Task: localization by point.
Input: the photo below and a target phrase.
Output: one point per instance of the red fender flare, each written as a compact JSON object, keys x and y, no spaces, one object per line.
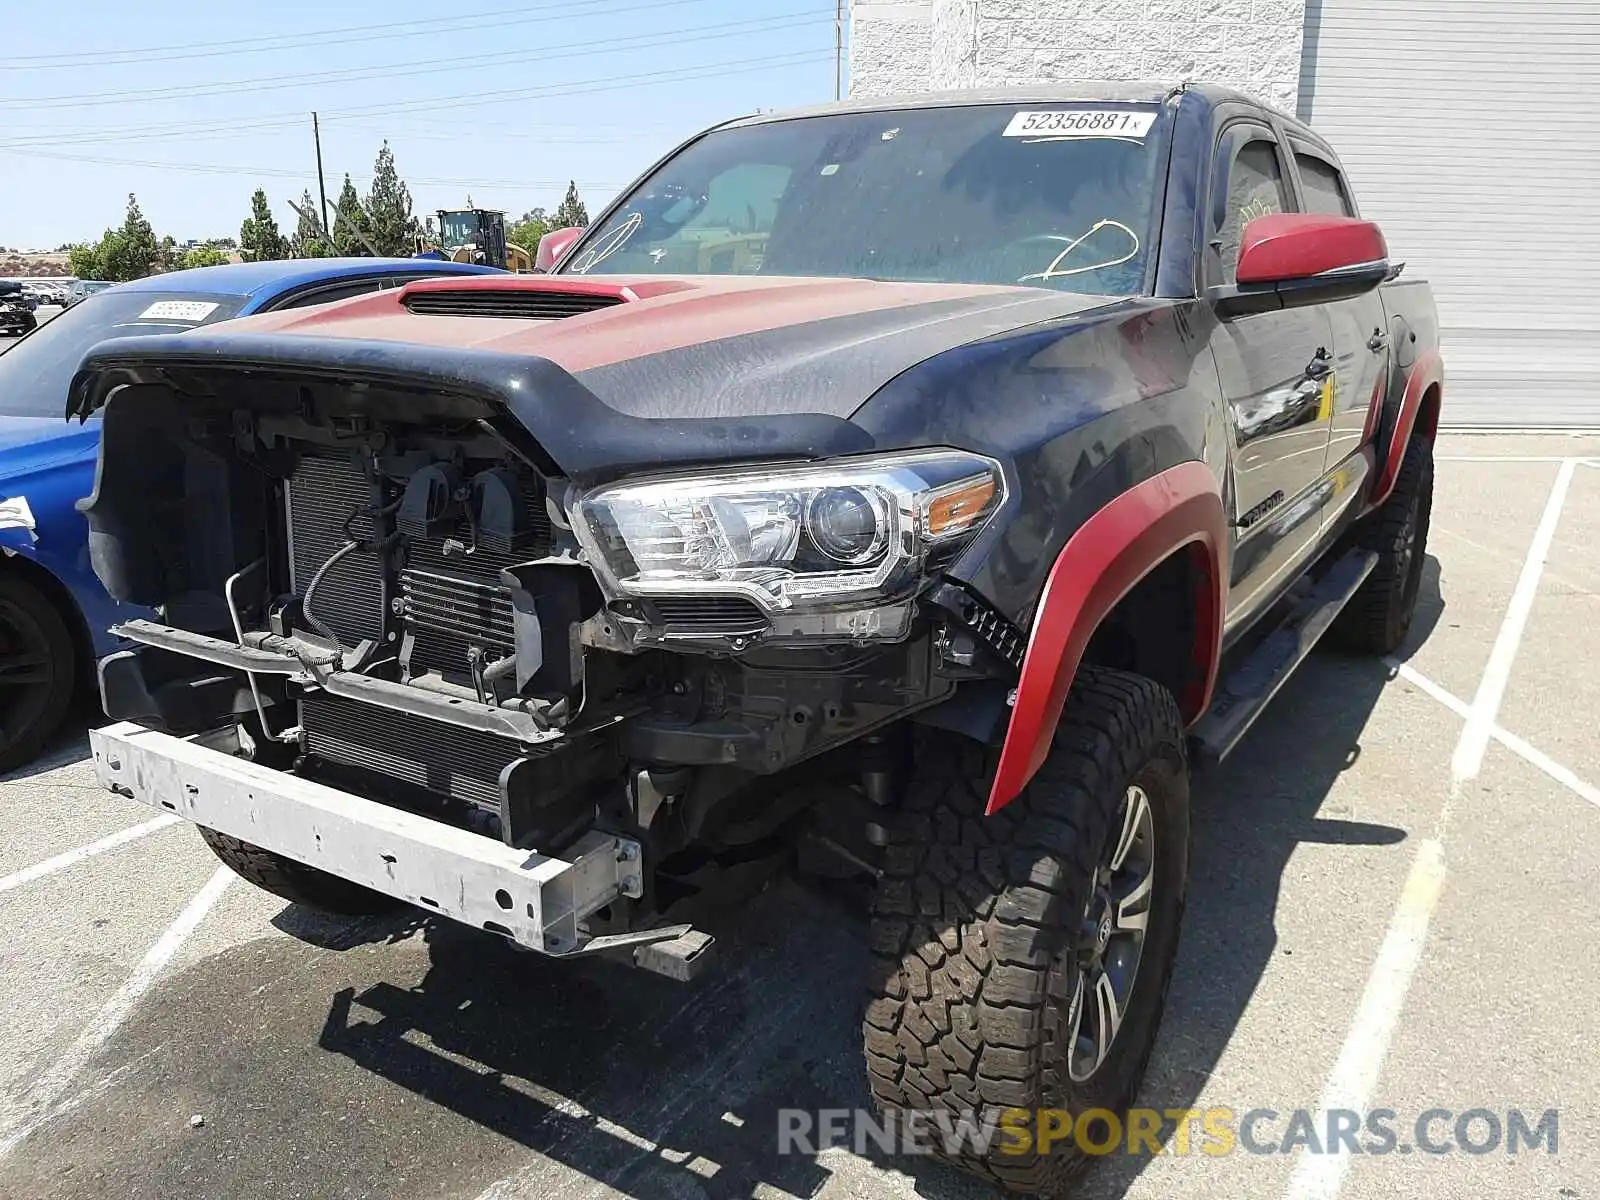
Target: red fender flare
{"x":1100,"y":564}
{"x":1426,"y":372}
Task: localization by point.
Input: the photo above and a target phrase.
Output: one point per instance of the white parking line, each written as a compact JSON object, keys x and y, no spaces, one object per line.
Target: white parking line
{"x":61,"y":861}
{"x":1468,"y":758}
{"x":41,"y":1101}
{"x":1526,"y":751}
{"x":1366,"y":1045}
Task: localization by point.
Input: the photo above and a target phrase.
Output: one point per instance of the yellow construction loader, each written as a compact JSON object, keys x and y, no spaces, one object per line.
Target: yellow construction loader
{"x":478,"y":235}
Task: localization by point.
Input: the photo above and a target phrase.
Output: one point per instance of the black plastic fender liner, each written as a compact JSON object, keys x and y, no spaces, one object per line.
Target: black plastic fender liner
{"x":585,"y":439}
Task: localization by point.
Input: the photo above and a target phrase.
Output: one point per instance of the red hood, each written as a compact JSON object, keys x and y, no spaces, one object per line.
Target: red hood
{"x":694,"y":346}
{"x":659,"y":313}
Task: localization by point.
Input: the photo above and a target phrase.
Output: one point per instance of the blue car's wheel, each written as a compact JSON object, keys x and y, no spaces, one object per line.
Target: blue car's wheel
{"x":38,"y":671}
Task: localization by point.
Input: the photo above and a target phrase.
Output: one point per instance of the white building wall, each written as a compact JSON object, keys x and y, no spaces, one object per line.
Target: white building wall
{"x":909,"y":45}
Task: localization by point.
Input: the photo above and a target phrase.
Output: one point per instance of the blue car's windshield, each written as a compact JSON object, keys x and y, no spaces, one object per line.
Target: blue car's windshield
{"x":36,"y":371}
{"x":1047,"y":195}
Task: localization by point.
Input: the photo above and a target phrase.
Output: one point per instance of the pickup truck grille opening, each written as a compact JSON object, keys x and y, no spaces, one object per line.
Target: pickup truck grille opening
{"x":325,"y":489}
{"x":443,"y":759}
{"x":708,"y":614}
{"x":527,"y":305}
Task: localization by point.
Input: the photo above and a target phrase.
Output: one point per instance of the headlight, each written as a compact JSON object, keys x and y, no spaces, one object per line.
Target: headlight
{"x":815,"y":536}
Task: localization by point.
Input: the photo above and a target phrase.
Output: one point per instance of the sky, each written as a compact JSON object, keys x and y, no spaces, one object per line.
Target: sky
{"x":193,"y":104}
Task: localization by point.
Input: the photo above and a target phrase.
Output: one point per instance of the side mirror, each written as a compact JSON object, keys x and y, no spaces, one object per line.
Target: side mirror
{"x":1288,"y":260}
{"x":552,"y":246}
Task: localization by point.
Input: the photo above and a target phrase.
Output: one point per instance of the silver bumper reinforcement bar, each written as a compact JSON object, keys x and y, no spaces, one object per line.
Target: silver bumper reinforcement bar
{"x":536,"y":900}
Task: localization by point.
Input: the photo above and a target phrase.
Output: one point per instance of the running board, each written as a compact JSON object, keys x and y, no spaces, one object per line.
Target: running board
{"x":1250,"y":687}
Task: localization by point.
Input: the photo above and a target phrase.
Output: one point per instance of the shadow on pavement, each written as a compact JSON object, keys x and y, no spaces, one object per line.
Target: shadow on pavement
{"x":314,"y":1064}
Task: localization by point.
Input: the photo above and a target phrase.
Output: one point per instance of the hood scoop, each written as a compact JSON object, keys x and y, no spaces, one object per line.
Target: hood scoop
{"x":531,"y":304}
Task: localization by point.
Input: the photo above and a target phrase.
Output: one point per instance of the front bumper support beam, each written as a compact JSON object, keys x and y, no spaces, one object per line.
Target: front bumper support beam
{"x":535,"y":900}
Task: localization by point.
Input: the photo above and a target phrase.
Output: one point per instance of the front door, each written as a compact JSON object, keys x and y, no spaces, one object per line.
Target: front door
{"x":1277,"y":371}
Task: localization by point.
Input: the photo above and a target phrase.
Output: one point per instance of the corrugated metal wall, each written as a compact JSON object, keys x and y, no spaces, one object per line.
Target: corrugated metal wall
{"x":1468,"y":129}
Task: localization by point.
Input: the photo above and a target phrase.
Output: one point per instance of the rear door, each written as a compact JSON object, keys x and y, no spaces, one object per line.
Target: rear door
{"x":1275,"y":370}
{"x":1360,"y":330}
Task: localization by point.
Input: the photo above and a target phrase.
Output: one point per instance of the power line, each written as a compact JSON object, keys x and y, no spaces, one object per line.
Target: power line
{"x":614,"y":83}
{"x":291,"y":123}
{"x":285,"y":173}
{"x":386,"y":31}
{"x":585,"y":49}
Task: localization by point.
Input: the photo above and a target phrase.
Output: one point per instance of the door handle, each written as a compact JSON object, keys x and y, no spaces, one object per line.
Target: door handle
{"x":1377,"y":341}
{"x":1321,"y":366}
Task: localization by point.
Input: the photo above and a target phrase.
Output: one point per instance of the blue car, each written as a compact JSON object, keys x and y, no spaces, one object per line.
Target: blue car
{"x":53,"y":612}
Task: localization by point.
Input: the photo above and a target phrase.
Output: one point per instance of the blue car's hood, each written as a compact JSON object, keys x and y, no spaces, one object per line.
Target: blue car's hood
{"x":27,"y":443}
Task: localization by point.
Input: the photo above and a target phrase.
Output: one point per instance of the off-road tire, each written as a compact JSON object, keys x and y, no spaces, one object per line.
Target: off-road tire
{"x":976,"y":921}
{"x":34,"y":629}
{"x":294,"y":881}
{"x":1378,"y":617}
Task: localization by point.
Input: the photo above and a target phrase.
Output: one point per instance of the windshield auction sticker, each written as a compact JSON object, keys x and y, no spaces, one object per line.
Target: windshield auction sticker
{"x":178,"y":310}
{"x":1069,"y":123}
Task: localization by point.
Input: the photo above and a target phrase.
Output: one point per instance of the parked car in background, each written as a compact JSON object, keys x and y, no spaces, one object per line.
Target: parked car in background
{"x":53,"y":611}
{"x":16,"y":312}
{"x":82,"y":289}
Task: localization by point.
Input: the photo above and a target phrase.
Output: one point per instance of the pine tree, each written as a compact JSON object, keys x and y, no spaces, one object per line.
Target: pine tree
{"x":348,"y":219}
{"x":308,"y":240}
{"x":129,"y":252}
{"x":259,"y":238}
{"x":572,"y":214}
{"x":393,"y":229}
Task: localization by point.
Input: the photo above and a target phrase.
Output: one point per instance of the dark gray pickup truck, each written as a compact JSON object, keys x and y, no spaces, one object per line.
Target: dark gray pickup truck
{"x":918,"y":487}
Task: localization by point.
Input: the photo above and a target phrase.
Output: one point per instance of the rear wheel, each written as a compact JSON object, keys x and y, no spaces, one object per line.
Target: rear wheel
{"x":1021,"y":960}
{"x":38,"y":671}
{"x":1379,"y":615}
{"x":294,"y":881}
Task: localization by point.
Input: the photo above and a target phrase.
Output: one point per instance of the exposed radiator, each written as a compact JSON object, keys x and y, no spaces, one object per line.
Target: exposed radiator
{"x":326,"y":488}
{"x":446,"y":759}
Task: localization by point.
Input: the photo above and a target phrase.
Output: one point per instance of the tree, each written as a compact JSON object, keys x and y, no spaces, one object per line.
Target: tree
{"x":205,"y":256}
{"x":348,"y":218}
{"x":529,"y":228}
{"x":392,"y":229}
{"x":129,"y":252}
{"x":84,"y":261}
{"x":571,"y":214}
{"x":258,"y":236}
{"x":168,"y":256}
{"x":309,"y":240}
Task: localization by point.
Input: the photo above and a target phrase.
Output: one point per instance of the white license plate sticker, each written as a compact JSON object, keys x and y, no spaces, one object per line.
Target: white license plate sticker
{"x":178,"y":310}
{"x":1071,"y":123}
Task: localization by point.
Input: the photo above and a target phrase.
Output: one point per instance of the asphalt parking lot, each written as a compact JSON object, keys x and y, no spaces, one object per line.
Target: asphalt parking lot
{"x":1396,"y":887}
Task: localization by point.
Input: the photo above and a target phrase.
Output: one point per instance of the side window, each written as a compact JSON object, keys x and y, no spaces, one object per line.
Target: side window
{"x":327,"y":295}
{"x":1323,"y":189}
{"x":1256,"y":188}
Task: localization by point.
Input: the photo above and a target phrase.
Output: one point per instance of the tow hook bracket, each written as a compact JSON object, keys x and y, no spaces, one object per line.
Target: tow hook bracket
{"x":682,"y":958}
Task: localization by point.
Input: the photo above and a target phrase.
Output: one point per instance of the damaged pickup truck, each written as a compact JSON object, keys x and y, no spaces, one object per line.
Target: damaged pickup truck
{"x":923,"y":483}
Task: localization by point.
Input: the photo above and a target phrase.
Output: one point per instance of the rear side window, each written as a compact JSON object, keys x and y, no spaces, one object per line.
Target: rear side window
{"x":1323,"y":188}
{"x":1256,"y":188}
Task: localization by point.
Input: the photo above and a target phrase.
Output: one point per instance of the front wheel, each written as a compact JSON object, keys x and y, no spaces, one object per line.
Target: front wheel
{"x":38,"y":671}
{"x":294,"y":881}
{"x":1021,"y":960}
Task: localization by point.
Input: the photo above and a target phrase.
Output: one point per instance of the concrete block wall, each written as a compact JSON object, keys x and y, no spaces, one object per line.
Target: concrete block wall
{"x":912,"y":45}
